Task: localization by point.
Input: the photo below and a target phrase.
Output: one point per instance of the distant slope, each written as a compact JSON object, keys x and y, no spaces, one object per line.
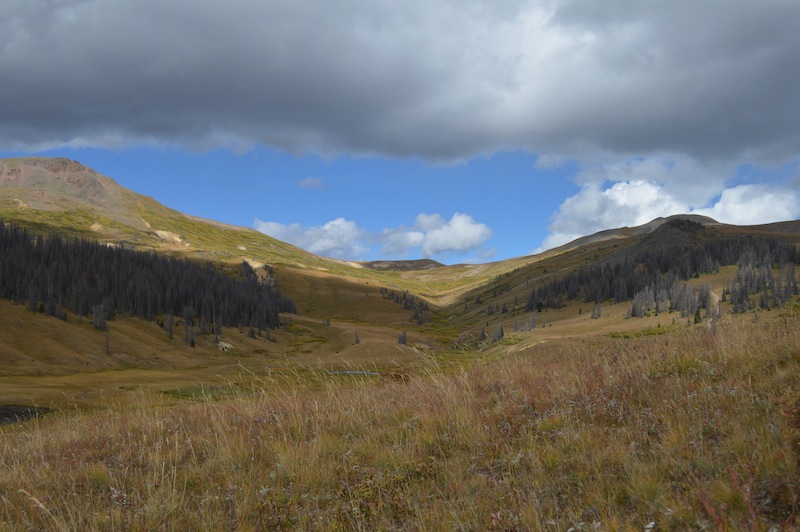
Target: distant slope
{"x":403,"y":265}
{"x":64,"y":196}
{"x":626,"y":232}
{"x":60,"y":195}
{"x":350,"y":314}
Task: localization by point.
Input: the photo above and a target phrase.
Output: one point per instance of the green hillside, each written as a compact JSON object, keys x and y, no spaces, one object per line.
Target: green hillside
{"x":337,"y":301}
{"x":515,"y":395}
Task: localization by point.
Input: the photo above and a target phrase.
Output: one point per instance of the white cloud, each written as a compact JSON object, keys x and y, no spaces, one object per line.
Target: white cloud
{"x":754,"y":204}
{"x":460,"y":234}
{"x":435,"y":236}
{"x":626,"y":203}
{"x":427,"y":222}
{"x":311,"y":183}
{"x":684,"y":178}
{"x":632,"y":203}
{"x":399,"y":242}
{"x":432,"y":235}
{"x":338,"y":238}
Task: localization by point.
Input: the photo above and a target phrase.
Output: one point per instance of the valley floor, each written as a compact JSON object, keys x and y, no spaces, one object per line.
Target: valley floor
{"x":695,"y":428}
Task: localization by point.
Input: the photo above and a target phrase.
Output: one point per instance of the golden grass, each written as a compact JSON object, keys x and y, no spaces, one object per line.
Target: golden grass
{"x":47,"y":361}
{"x":692,"y":429}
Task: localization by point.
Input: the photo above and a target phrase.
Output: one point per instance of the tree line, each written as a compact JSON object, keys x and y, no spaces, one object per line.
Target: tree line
{"x":756,"y":277}
{"x":652,"y":277}
{"x":419,"y":307}
{"x":52,"y":274}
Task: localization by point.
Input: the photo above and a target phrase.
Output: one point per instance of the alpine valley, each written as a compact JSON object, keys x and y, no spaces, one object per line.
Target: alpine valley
{"x":182,"y":373}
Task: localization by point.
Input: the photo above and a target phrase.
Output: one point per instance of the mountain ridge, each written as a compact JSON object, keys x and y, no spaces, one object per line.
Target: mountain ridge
{"x":65,"y":196}
{"x":625,"y":231}
{"x":618,"y":354}
{"x":349,"y":314}
{"x":61,"y":184}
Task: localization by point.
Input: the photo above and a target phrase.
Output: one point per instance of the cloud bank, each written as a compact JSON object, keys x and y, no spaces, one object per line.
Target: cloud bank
{"x":431,"y":234}
{"x":441,"y":80}
{"x":435,"y":236}
{"x":631,"y":203}
{"x":659,"y":103}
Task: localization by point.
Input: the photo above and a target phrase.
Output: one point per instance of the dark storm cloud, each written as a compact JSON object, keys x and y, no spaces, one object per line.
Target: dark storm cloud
{"x":703,"y":78}
{"x":441,"y":80}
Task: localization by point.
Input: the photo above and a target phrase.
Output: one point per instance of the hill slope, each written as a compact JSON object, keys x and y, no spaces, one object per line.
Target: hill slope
{"x":350,"y":313}
{"x":582,"y":419}
{"x":66,"y":197}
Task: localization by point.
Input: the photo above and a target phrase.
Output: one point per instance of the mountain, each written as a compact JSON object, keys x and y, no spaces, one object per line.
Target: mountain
{"x":402,"y":391}
{"x":625,"y":232}
{"x":403,"y":265}
{"x":64,"y":196}
{"x":441,"y":308}
{"x":58,"y":184}
{"x":61,"y":195}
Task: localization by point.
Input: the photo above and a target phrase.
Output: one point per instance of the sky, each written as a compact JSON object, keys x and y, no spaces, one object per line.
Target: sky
{"x":458,"y":130}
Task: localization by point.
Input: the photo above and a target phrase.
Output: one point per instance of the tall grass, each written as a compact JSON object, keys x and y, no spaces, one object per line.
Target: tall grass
{"x":693,"y":429}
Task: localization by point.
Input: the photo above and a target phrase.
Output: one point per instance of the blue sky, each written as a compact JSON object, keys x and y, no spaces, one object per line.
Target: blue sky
{"x":504,"y":192}
{"x":464,"y":131}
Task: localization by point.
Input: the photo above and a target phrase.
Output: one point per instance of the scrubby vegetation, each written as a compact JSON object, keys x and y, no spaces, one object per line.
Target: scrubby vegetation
{"x":698,"y":428}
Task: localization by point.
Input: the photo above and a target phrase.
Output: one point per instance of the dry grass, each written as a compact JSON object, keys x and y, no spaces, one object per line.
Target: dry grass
{"x":47,"y":361}
{"x":692,"y":429}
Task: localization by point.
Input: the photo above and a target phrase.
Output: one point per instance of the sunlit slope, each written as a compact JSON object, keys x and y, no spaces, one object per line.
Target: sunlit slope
{"x":351,"y":315}
{"x":62,"y":196}
{"x":65,"y":197}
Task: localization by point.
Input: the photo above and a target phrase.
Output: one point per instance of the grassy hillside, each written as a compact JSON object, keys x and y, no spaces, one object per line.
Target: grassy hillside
{"x":47,"y":361}
{"x":62,"y":196}
{"x":697,"y":428}
{"x":328,"y":422}
{"x":337,"y":301}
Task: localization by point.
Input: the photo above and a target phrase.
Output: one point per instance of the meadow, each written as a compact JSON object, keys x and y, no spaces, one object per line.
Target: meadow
{"x":697,"y":428}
